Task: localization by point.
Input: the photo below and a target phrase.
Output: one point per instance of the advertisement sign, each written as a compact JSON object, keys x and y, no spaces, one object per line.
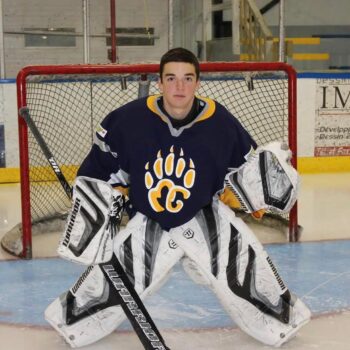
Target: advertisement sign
{"x":332,"y":121}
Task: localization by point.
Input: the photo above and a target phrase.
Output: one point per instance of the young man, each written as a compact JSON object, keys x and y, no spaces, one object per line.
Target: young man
{"x":170,"y":155}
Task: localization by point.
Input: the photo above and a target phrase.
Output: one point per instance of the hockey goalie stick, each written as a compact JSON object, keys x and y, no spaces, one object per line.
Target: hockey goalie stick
{"x":24,"y":113}
{"x":130,"y":301}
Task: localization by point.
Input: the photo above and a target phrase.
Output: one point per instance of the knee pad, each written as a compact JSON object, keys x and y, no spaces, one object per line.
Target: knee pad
{"x":192,"y":270}
{"x":146,"y":253}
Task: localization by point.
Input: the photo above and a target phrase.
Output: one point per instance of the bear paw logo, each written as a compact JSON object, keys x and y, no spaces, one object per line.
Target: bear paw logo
{"x":168,"y":181}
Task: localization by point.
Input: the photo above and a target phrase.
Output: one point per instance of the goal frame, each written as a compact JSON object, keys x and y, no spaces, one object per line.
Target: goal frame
{"x":141,"y":69}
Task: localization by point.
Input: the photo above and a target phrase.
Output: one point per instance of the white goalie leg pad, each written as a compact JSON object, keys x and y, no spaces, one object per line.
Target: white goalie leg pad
{"x":266,"y":181}
{"x":90,"y":310}
{"x":236,"y":267}
{"x":92,"y":222}
{"x":147,"y":253}
{"x":192,"y":270}
{"x":85,"y":313}
{"x":256,"y":297}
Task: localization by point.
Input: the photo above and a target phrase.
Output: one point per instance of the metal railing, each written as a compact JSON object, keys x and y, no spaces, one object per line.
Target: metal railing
{"x":255,"y":36}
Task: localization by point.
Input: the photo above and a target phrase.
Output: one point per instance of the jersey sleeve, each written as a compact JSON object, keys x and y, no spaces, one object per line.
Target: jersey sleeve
{"x":243,"y":144}
{"x":102,"y":161}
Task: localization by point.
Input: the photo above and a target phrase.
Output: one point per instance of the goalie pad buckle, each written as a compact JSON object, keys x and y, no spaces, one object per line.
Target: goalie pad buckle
{"x":92,"y":222}
{"x":266,"y":181}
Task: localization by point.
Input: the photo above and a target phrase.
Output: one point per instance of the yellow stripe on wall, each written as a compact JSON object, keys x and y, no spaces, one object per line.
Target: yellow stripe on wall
{"x":9,"y":175}
{"x":309,"y":165}
{"x":45,"y":173}
{"x":310,"y":56}
{"x":306,"y":165}
{"x":301,"y":41}
{"x":295,"y":56}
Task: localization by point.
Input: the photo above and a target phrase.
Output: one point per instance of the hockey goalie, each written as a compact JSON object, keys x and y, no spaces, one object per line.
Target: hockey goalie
{"x":174,"y":162}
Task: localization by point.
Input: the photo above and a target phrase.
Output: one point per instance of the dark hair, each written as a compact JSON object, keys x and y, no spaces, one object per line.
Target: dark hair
{"x":179,"y":54}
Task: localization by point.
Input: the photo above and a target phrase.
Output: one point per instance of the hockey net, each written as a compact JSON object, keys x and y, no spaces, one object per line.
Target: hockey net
{"x":68,"y":102}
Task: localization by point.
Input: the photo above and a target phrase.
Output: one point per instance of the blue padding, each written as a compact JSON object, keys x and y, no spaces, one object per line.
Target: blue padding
{"x":7,"y":81}
{"x":324,"y":75}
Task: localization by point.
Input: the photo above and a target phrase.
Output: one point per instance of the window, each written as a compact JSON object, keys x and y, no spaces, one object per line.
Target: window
{"x":222,"y":19}
{"x":49,"y":37}
{"x":132,"y":36}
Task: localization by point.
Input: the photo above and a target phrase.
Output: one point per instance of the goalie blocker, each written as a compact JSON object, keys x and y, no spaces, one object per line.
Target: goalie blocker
{"x":92,"y":222}
{"x":266,"y":181}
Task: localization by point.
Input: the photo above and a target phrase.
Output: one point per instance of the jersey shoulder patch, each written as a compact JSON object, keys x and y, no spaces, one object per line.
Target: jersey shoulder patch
{"x":101,"y":131}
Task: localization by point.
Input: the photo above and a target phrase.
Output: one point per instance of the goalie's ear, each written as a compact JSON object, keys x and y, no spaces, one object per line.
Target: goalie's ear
{"x":266,"y":181}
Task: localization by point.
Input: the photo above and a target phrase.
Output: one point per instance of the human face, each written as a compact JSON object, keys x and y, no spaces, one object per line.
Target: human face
{"x":178,"y":86}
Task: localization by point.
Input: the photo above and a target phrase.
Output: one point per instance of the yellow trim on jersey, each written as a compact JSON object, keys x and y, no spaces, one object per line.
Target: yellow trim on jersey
{"x":207,"y":112}
{"x":209,"y":109}
{"x":230,"y":199}
{"x":123,"y":190}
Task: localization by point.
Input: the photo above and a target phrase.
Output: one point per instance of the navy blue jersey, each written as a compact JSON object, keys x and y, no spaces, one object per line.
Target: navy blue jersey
{"x":170,"y":174}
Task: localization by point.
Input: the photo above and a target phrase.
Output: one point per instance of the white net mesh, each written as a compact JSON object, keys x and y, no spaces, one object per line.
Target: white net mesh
{"x":67,"y":108}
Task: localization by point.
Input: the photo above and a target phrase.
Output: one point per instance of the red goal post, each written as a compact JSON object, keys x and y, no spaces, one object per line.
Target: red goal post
{"x":261,"y":95}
